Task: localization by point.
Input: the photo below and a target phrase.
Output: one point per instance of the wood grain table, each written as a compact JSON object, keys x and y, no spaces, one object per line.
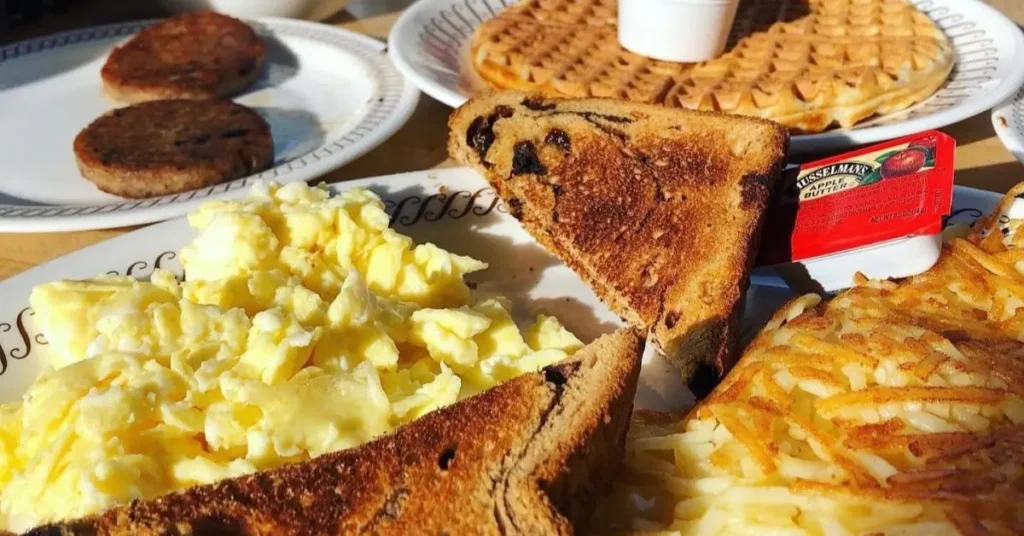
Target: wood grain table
{"x":981,"y":160}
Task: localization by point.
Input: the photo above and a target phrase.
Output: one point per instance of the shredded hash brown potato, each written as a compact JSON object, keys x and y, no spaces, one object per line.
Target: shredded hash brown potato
{"x":896,"y":408}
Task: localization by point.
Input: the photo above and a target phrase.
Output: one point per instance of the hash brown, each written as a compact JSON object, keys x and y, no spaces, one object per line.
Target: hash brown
{"x":198,"y":55}
{"x":894,"y":408}
{"x":170,"y":146}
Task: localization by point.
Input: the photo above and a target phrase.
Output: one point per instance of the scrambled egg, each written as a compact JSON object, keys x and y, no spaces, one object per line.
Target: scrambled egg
{"x":306,"y":325}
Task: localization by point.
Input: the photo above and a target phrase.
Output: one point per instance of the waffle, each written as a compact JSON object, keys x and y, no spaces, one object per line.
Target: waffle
{"x":806,"y":64}
{"x":895,"y":408}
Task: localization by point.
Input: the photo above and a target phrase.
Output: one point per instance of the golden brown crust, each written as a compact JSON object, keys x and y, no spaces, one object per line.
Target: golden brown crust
{"x":198,"y":55}
{"x":526,"y":457}
{"x":163,"y":147}
{"x":658,"y":210}
{"x":906,"y":396}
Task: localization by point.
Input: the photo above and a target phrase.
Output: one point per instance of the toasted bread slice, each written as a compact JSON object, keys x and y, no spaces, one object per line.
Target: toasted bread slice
{"x":658,"y":210}
{"x":527,"y":457}
{"x":171,"y":146}
{"x":198,"y":55}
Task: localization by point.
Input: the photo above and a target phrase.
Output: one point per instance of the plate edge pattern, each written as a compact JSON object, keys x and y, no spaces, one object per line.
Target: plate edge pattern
{"x":1017,"y":115}
{"x":403,"y":211}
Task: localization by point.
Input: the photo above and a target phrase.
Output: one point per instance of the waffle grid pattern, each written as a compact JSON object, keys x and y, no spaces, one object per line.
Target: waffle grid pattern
{"x":807,"y":65}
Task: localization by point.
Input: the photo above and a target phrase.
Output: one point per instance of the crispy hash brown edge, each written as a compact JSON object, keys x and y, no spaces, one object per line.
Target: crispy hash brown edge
{"x":898,"y":400}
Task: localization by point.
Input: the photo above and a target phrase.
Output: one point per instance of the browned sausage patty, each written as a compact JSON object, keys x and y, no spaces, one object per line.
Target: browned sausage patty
{"x":170,"y":146}
{"x":198,"y":55}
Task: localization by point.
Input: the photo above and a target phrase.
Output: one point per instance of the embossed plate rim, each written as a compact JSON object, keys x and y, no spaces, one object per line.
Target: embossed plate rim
{"x":1008,"y":122}
{"x":161,"y":240}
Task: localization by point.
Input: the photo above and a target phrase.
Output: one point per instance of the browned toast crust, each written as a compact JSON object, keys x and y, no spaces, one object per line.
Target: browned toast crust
{"x":658,"y":210}
{"x":527,"y":457}
{"x":171,"y":146}
{"x":199,"y":55}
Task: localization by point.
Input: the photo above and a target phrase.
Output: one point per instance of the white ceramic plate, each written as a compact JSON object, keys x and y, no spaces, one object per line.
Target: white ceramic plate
{"x":429,"y":44}
{"x":1008,"y":122}
{"x":466,"y":218}
{"x":330,"y":95}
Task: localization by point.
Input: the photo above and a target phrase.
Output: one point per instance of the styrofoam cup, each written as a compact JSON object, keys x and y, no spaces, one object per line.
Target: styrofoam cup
{"x":676,"y":30}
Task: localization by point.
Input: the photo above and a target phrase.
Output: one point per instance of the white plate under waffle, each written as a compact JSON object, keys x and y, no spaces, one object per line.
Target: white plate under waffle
{"x":454,"y":209}
{"x":328,"y":94}
{"x":430,"y":43}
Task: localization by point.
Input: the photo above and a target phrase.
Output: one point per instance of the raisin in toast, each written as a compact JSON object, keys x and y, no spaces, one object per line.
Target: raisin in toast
{"x":658,"y":210}
{"x":529,"y":456}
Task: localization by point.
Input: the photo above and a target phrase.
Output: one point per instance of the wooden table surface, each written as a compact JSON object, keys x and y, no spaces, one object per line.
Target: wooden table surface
{"x":981,"y":160}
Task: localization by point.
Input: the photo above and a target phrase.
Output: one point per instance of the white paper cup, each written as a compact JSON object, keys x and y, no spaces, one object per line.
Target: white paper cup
{"x":676,"y":30}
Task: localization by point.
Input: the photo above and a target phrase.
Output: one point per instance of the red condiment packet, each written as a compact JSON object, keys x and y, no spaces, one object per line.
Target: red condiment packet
{"x":897,"y":189}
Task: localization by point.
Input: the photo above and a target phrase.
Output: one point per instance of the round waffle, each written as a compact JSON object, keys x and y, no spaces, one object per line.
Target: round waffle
{"x":807,"y":64}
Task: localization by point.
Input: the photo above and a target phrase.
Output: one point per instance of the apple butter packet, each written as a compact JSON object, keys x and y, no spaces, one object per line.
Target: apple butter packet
{"x":876,"y":210}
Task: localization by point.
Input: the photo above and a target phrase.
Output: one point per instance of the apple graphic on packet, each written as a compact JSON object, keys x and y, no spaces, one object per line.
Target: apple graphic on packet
{"x":926,"y":144}
{"x":904,"y":162}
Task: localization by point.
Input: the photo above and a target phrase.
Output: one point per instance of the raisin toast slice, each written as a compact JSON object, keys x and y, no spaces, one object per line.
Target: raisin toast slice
{"x":658,"y":210}
{"x":529,"y":456}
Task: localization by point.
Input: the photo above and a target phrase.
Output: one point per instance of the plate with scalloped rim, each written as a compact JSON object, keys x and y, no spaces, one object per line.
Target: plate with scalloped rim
{"x":430,"y":45}
{"x":1008,"y":122}
{"x":453,"y":208}
{"x":329,"y":94}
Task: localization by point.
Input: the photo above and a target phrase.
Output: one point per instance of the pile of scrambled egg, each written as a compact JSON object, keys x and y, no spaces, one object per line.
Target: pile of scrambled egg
{"x":305,"y":325}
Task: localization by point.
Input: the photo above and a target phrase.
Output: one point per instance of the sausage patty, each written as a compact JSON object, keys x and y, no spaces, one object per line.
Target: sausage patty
{"x":171,"y":146}
{"x":199,"y":55}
